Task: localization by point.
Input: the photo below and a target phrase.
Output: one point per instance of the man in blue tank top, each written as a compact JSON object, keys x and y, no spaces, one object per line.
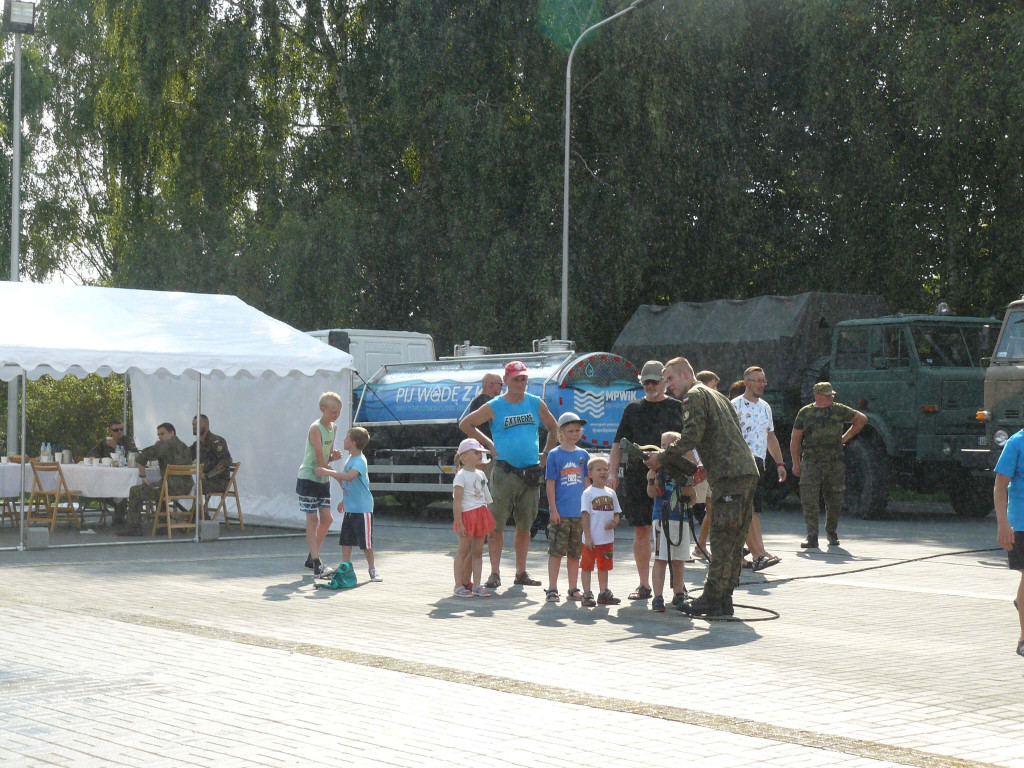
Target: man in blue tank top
{"x":515,"y":420}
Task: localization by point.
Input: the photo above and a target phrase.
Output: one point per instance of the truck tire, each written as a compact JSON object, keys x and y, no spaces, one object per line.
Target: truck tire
{"x":970,"y":496}
{"x":776,"y":492}
{"x":867,"y":492}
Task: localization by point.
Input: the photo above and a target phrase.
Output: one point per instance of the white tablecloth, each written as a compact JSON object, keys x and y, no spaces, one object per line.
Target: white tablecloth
{"x":95,"y":482}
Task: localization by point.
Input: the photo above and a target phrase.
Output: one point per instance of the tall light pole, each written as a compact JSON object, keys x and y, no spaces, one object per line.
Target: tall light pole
{"x":19,"y":18}
{"x":565,"y":185}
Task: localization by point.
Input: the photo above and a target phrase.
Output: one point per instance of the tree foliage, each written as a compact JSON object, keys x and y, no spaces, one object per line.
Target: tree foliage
{"x":398,"y":163}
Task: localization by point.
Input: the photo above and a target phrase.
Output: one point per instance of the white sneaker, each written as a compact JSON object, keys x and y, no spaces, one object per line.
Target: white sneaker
{"x":481,"y":591}
{"x":375,"y":575}
{"x":461,"y":591}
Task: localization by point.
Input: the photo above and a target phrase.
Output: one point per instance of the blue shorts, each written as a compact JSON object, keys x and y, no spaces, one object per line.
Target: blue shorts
{"x":313,"y":496}
{"x":357,"y":530}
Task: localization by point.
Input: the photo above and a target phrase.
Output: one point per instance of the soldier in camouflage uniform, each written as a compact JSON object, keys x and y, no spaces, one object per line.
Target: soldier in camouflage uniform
{"x":711,"y":426}
{"x":168,"y":449}
{"x":215,"y":455}
{"x":817,"y":449}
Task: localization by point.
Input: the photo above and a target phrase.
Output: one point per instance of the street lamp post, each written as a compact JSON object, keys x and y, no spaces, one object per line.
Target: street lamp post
{"x":19,"y":18}
{"x":565,"y":185}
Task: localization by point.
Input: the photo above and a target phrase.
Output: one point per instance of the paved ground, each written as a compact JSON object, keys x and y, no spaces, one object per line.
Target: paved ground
{"x":895,"y":649}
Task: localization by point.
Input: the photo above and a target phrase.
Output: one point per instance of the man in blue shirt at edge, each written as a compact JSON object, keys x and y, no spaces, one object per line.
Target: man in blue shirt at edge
{"x":1008,"y":496}
{"x":515,"y":419}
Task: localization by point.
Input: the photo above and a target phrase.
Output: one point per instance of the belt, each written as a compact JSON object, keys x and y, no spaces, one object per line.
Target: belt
{"x":517,"y":471}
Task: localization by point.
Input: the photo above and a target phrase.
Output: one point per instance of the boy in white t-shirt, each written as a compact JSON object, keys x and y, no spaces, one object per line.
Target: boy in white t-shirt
{"x":601,"y":514}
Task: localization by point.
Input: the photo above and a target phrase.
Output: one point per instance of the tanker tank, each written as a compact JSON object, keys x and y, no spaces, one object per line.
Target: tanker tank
{"x":412,"y":411}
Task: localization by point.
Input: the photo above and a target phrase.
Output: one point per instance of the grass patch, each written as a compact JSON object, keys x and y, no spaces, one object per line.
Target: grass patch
{"x":899,"y":493}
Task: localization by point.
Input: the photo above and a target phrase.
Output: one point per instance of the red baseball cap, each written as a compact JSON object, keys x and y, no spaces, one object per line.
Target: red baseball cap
{"x":515,"y":368}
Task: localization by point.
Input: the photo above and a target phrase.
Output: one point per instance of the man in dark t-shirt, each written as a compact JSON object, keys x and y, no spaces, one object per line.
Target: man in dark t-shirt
{"x":643,"y":422}
{"x":490,"y":388}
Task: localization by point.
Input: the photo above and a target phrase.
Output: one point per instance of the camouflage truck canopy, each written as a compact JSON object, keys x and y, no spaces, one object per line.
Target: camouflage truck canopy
{"x":785,"y":335}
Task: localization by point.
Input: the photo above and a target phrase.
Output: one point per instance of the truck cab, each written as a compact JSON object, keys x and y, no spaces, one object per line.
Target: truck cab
{"x":919,"y":379}
{"x":1004,"y":384}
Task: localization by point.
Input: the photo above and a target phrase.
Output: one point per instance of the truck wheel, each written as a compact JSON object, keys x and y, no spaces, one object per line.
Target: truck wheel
{"x":774,"y":491}
{"x":414,"y":503}
{"x":867,"y":492}
{"x":970,"y":496}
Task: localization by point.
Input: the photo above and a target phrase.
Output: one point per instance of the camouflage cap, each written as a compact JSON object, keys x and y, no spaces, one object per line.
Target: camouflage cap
{"x":823,"y":388}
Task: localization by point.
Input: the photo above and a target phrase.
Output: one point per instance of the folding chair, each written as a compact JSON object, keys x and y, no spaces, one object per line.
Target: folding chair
{"x":169,"y":513}
{"x":52,"y":500}
{"x":231,"y":492}
{"x":7,"y":511}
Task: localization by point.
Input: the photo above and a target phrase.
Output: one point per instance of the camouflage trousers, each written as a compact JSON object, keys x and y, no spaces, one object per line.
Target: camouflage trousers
{"x":733,"y":509}
{"x":822,"y":480}
{"x":136,"y":496}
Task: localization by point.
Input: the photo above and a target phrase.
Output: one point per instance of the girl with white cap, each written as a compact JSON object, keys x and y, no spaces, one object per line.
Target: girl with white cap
{"x":473,"y":518}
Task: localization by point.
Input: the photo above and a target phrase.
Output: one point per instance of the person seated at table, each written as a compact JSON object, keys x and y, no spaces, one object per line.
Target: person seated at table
{"x":168,"y":449}
{"x":215,"y":456}
{"x":108,"y":445}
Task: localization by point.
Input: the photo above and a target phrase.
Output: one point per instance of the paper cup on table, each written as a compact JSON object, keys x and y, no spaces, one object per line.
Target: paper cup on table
{"x":87,"y":461}
{"x":4,"y":460}
{"x":106,"y":462}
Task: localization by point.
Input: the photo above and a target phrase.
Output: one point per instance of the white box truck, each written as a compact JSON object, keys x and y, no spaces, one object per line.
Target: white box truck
{"x":373,"y":349}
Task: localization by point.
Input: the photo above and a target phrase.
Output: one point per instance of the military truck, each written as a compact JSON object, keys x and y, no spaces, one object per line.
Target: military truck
{"x":1003,"y":412}
{"x":918,"y":378}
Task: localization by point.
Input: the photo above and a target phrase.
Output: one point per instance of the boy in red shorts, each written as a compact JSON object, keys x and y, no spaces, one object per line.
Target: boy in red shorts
{"x":601,"y":514}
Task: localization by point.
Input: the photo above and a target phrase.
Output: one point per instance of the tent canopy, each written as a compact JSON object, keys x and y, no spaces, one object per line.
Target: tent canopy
{"x":783,"y":334}
{"x":59,"y":330}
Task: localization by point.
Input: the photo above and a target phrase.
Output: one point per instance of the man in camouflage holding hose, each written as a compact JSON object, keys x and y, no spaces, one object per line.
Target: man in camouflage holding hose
{"x":711,"y":426}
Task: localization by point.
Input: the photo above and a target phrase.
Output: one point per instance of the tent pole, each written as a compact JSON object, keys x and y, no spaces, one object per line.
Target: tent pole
{"x":24,"y":458}
{"x":199,"y":471}
{"x":124,"y":407}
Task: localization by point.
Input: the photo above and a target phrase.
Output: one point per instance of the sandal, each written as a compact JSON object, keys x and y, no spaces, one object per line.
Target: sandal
{"x":765,"y":561}
{"x":551,"y":595}
{"x":641,"y":593}
{"x":493,"y":581}
{"x":574,"y":594}
{"x":588,"y":600}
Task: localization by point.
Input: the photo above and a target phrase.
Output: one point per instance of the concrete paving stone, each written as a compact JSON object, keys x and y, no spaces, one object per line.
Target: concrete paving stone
{"x":232,"y":605}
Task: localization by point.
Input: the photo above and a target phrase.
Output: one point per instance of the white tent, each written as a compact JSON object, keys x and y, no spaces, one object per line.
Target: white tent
{"x":259,"y":378}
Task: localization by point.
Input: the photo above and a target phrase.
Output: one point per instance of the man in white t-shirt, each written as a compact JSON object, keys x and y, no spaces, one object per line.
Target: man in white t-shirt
{"x":758,"y":428}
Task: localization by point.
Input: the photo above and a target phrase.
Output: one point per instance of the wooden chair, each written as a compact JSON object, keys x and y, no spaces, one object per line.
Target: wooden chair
{"x":51,"y":500}
{"x":169,"y":512}
{"x":8,"y":511}
{"x":231,"y":492}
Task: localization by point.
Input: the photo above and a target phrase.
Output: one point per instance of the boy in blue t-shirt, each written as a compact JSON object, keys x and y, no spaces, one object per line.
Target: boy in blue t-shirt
{"x":566,"y":476}
{"x":357,"y":504}
{"x":1008,"y":495}
{"x":672,"y":543}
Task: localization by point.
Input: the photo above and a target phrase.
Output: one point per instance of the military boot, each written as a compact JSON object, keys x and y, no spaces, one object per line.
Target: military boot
{"x":703,"y":606}
{"x":726,"y":602}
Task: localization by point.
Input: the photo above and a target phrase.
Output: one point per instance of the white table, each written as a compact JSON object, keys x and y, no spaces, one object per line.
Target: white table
{"x":96,"y":482}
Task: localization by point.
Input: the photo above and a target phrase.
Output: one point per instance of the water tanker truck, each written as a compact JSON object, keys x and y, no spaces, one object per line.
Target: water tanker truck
{"x":918,"y":378}
{"x":412,"y":410}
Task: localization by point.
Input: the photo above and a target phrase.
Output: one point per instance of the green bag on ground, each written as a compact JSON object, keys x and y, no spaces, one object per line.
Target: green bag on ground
{"x":342,"y":577}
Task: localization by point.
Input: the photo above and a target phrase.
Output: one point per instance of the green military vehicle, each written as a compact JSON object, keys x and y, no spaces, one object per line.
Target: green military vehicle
{"x":1004,"y":389}
{"x":918,"y":378}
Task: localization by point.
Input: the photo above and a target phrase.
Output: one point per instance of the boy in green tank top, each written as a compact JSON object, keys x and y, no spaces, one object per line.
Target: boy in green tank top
{"x":315,"y":492}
